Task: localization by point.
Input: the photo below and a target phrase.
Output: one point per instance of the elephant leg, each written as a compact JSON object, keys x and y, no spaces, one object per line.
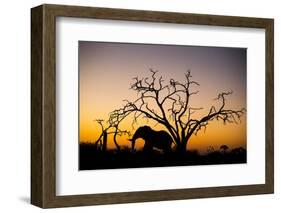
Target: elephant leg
{"x":168,"y":149}
{"x":147,"y":147}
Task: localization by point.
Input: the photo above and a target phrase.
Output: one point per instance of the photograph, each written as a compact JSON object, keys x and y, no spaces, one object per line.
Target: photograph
{"x":140,"y":105}
{"x":155,"y":105}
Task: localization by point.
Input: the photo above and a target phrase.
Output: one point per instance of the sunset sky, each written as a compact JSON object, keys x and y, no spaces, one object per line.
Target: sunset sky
{"x":106,"y":71}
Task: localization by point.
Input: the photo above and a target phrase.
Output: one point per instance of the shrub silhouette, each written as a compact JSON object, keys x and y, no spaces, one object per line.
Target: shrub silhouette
{"x":92,"y":157}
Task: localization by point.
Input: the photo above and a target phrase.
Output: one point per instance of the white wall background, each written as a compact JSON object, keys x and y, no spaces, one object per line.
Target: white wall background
{"x":15,"y":105}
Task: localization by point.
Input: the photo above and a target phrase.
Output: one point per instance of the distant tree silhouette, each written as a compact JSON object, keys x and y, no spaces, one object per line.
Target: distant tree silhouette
{"x":169,"y":105}
{"x":224,"y":148}
{"x":238,"y":150}
{"x":210,"y":149}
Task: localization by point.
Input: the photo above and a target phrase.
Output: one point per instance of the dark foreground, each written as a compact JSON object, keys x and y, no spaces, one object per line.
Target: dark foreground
{"x":90,"y":158}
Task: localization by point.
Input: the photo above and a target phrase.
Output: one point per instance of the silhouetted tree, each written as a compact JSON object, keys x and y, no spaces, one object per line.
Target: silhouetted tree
{"x":169,"y":105}
{"x":224,"y":148}
{"x":111,"y":128}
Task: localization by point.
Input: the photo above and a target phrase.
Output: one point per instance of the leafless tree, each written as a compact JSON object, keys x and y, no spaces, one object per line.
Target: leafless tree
{"x":169,"y":105}
{"x":111,"y":128}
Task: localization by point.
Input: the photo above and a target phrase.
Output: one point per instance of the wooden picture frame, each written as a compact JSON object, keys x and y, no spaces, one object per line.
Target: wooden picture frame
{"x":43,"y":105}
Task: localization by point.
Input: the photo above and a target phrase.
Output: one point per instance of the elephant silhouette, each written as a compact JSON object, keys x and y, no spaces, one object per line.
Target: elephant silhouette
{"x":158,"y":139}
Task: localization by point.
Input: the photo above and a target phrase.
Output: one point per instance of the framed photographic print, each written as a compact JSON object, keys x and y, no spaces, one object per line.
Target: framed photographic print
{"x":136,"y":106}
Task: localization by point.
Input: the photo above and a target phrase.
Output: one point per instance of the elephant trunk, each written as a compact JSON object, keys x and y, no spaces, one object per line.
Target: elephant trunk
{"x":133,"y":144}
{"x":133,"y":141}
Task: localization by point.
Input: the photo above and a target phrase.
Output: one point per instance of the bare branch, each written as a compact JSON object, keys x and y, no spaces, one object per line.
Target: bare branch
{"x":225,"y":115}
{"x":168,"y":105}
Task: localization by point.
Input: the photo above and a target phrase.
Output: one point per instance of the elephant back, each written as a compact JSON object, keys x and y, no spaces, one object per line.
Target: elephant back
{"x":164,"y":137}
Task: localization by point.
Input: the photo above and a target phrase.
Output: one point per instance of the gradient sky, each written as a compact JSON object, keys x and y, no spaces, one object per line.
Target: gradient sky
{"x":106,"y":71}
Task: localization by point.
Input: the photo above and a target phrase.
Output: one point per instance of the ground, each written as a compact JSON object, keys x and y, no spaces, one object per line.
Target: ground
{"x":92,"y":158}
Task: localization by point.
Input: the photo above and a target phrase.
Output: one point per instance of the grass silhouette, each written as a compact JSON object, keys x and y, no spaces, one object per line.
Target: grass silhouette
{"x":93,"y":157}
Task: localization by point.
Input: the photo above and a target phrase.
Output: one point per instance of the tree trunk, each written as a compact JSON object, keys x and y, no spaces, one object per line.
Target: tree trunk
{"x":181,"y":148}
{"x":115,"y":141}
{"x":104,"y":144}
